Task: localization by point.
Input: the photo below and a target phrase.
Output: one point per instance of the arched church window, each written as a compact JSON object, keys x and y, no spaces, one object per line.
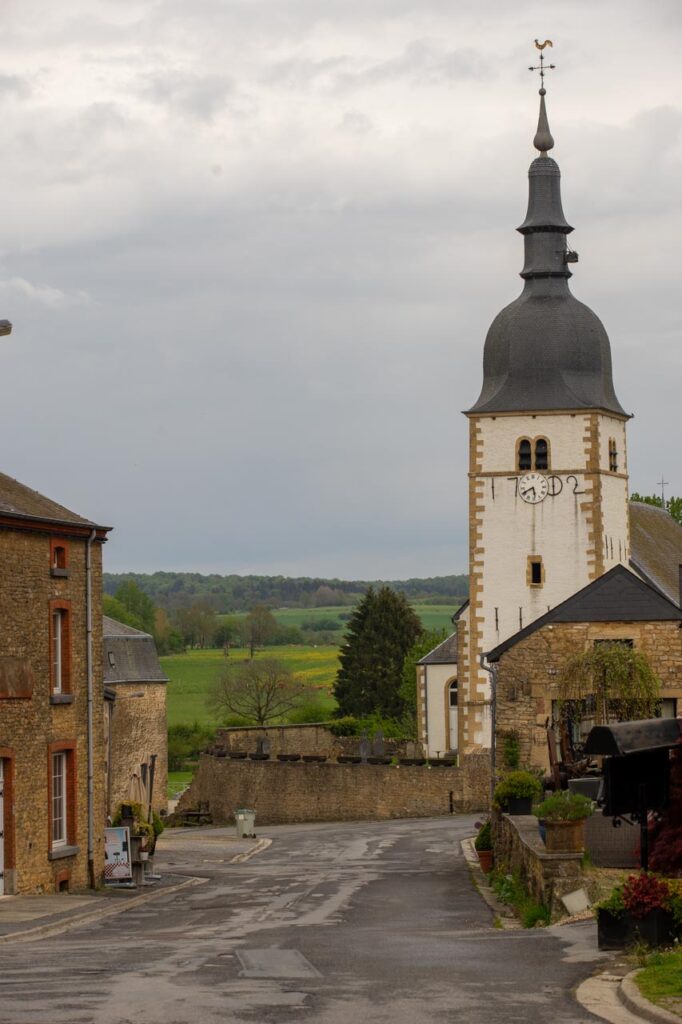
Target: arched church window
{"x":541,"y":453}
{"x":453,"y":693}
{"x":524,"y":456}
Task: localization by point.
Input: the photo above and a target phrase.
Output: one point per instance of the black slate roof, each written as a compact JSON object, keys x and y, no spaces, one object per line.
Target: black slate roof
{"x":656,"y":548}
{"x":444,"y":654}
{"x":546,"y":350}
{"x":617,"y":596}
{"x":129,"y":655}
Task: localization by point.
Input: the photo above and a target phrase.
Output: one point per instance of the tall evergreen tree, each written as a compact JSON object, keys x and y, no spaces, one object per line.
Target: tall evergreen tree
{"x":381,"y":631}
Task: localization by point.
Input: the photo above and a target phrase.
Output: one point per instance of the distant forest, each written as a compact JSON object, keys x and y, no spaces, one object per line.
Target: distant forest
{"x":173,"y":590}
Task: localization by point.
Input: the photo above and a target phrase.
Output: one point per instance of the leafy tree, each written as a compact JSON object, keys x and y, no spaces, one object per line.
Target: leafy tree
{"x":408,"y":685}
{"x":259,"y":691}
{"x":197,"y":624}
{"x":381,"y":631}
{"x":259,"y":628}
{"x":673,"y":506}
{"x":612,"y":681}
{"x":115,"y":610}
{"x":168,"y":640}
{"x":137,"y":603}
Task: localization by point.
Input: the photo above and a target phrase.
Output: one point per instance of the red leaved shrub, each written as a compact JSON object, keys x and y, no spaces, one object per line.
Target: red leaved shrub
{"x":643,"y":892}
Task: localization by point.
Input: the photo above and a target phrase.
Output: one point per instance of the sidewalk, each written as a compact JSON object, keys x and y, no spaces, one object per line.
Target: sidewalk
{"x":181,"y":860}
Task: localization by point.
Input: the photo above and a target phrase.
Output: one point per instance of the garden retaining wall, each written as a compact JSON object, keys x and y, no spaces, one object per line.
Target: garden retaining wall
{"x":284,"y":792}
{"x":548,"y":876}
{"x":312,"y":738}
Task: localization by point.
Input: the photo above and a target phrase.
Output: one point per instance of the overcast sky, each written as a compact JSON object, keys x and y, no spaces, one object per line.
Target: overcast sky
{"x":251,"y":250}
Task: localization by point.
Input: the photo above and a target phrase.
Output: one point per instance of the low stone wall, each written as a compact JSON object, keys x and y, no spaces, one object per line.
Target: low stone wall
{"x":313,"y":738}
{"x":281,"y":793}
{"x":519,"y":848}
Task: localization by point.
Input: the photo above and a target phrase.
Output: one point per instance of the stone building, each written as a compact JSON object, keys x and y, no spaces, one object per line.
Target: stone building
{"x":52,"y":780}
{"x":548,"y":490}
{"x":136,"y":727}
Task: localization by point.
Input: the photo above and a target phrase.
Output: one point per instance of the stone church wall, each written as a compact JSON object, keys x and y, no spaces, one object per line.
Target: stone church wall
{"x":282,"y":793}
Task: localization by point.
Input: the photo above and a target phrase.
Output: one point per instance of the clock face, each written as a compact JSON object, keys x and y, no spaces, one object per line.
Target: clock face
{"x":533,"y":488}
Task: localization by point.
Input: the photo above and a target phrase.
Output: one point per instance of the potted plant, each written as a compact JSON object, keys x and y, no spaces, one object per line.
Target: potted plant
{"x":644,"y":908}
{"x":563,"y":814}
{"x":483,"y":844}
{"x":516,"y":791}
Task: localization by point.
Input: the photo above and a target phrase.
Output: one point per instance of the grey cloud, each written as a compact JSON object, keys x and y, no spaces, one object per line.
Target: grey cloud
{"x":198,"y":95}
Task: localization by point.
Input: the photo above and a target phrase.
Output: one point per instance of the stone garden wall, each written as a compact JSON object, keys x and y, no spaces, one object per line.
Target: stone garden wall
{"x":284,"y":792}
{"x":519,"y":848}
{"x":312,"y":738}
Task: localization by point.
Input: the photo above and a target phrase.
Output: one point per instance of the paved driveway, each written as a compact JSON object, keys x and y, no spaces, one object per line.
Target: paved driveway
{"x":330,"y":924}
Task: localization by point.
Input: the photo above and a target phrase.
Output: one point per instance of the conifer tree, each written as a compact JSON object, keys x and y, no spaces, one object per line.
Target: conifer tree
{"x":381,"y":631}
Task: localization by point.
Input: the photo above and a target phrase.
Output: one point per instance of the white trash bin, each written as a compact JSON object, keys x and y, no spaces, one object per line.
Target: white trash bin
{"x":246,"y":823}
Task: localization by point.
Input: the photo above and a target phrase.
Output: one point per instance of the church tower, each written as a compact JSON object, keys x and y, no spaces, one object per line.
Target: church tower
{"x":548,"y":486}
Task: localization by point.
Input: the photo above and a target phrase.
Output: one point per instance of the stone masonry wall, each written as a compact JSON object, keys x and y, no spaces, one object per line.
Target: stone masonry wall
{"x":298,"y":739}
{"x":296,"y":792}
{"x":519,"y":848}
{"x":138,"y":729}
{"x":30,"y":724}
{"x":527,"y":673}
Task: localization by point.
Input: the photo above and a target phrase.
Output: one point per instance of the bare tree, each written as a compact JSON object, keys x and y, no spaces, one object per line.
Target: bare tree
{"x":259,"y":626}
{"x":259,"y":690}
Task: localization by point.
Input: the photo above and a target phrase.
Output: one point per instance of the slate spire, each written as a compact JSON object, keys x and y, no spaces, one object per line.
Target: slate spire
{"x":546,"y":350}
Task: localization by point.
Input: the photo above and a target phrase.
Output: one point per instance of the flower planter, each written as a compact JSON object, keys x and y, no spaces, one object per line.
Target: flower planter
{"x":520,"y":805}
{"x":485,"y":859}
{"x":348,"y":759}
{"x":565,"y":836}
{"x":259,"y":757}
{"x":238,"y":755}
{"x":378,"y":760}
{"x":314,"y":758}
{"x":288,"y":757}
{"x":615,"y":931}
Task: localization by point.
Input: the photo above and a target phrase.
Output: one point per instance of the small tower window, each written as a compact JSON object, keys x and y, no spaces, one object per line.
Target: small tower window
{"x":453,"y":694}
{"x":613,"y":456}
{"x":541,"y":454}
{"x":535,"y":571}
{"x":524,"y":460}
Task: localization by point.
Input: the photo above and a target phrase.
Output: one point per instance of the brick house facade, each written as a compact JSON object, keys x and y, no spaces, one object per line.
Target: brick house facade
{"x":52,"y":806}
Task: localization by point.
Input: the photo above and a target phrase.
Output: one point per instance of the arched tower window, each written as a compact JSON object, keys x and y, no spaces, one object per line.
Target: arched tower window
{"x":452,"y":692}
{"x":524,"y":458}
{"x":541,"y":453}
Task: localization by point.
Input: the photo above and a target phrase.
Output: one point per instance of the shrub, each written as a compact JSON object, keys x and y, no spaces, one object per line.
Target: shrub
{"x":309,"y":712}
{"x":645,"y":892}
{"x":516,"y":785}
{"x":511,"y":750}
{"x":484,"y":839}
{"x":564,"y":806}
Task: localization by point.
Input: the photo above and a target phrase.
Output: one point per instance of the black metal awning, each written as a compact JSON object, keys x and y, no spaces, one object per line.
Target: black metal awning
{"x":634,"y":737}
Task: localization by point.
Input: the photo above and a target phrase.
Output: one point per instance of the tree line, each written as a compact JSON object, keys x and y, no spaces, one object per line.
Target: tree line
{"x":172,"y":590}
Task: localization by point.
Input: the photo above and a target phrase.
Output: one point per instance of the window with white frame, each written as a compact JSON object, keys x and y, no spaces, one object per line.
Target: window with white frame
{"x":58,"y":806}
{"x":58,"y":644}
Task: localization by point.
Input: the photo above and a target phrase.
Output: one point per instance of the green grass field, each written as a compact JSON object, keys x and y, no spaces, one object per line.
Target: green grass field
{"x":191,"y":676}
{"x":433,"y":616}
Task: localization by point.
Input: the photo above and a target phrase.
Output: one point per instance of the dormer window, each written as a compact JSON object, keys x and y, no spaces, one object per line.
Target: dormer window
{"x":541,"y":454}
{"x":524,"y":456}
{"x":613,"y":456}
{"x":59,"y":558}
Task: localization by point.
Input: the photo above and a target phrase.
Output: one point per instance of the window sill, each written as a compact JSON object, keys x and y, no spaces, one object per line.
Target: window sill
{"x":62,"y":574}
{"x":61,"y":698}
{"x":63,"y":851}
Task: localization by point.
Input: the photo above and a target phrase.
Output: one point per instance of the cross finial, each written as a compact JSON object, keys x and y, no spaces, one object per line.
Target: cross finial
{"x":662,"y":484}
{"x":541,"y":66}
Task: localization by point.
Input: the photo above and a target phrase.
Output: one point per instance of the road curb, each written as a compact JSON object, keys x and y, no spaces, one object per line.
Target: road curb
{"x":632,"y":998}
{"x":503,"y":914}
{"x":57,"y":927}
{"x":260,"y":846}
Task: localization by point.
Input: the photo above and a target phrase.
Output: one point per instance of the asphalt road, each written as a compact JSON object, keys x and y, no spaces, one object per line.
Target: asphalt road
{"x":331,"y":924}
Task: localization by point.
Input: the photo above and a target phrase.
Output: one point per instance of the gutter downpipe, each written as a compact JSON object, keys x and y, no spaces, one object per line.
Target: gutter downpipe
{"x":89,"y":664}
{"x":492,"y":672}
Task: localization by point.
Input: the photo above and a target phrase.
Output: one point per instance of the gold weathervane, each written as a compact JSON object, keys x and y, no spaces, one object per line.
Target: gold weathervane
{"x":541,"y":66}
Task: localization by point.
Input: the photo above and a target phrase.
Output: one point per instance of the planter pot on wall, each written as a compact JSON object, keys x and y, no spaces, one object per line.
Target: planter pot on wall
{"x":485,"y":859}
{"x":617,"y":931}
{"x":314,"y":758}
{"x":565,"y":836}
{"x":238,"y":755}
